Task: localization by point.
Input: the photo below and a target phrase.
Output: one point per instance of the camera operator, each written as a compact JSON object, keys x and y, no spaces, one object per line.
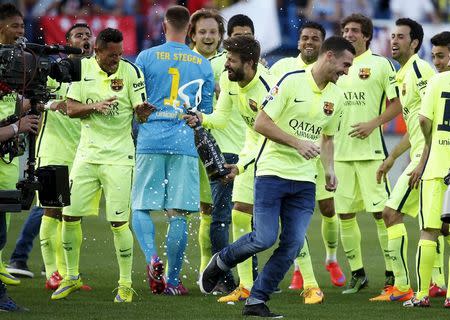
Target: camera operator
{"x":56,"y":145}
{"x":11,"y":28}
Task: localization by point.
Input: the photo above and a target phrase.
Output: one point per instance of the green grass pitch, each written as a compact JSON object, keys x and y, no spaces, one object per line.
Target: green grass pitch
{"x":99,"y":269}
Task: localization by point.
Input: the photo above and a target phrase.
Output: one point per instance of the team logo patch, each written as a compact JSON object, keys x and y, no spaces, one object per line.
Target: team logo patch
{"x":117,"y":84}
{"x":364,"y":73}
{"x":404,"y":89}
{"x":328,"y":108}
{"x":253,"y":105}
{"x":272,"y":93}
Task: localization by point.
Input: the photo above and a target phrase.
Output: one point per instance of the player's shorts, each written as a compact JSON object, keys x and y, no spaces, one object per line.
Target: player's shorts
{"x":164,"y":181}
{"x":358,"y":189}
{"x":404,"y":199}
{"x":46,"y":161}
{"x":431,"y":199}
{"x":9,"y":174}
{"x":89,"y":180}
{"x":243,"y":186}
{"x":205,"y":187}
{"x":321,"y":192}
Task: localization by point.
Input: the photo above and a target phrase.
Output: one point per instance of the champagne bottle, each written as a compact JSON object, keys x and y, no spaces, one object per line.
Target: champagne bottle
{"x":445,"y":216}
{"x":207,"y":148}
{"x":209,"y":152}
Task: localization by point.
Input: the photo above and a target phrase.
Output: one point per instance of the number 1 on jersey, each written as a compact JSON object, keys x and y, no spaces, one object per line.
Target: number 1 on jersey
{"x":445,"y":126}
{"x":172,"y":100}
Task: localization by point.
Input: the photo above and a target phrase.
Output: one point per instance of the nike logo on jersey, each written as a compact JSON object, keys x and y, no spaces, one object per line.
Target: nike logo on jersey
{"x":298,"y":100}
{"x":124,"y":250}
{"x":376,"y":203}
{"x":88,"y":79}
{"x":119,"y":212}
{"x":232,"y":94}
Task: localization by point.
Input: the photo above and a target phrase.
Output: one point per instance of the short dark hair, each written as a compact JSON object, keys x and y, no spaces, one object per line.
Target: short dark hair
{"x":206,"y":14}
{"x":8,"y":10}
{"x":416,"y":30}
{"x":239,"y":20}
{"x":365,"y":23}
{"x":441,"y":39}
{"x":177,"y":17}
{"x":246,"y":46}
{"x":76,"y":25}
{"x":313,"y":25}
{"x":338,"y":45}
{"x":108,"y":35}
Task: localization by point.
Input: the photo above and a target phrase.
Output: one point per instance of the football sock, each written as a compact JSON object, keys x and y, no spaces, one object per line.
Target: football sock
{"x":330,"y":234}
{"x":204,"y":240}
{"x":383,"y":239}
{"x":241,"y":225}
{"x":437,"y":275}
{"x":306,"y":268}
{"x":426,"y":253}
{"x":60,"y":260}
{"x":144,"y":231}
{"x":398,"y":250}
{"x":123,"y":243}
{"x":48,"y":235}
{"x":176,"y":241}
{"x":351,"y":242}
{"x":72,"y":236}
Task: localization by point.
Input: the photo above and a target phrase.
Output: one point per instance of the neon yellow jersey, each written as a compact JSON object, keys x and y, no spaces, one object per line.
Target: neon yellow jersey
{"x":230,"y":138}
{"x":436,"y":107}
{"x":8,"y":108}
{"x":244,"y":102}
{"x":106,"y":139}
{"x":59,"y":135}
{"x":301,"y":109}
{"x":412,"y":81}
{"x":286,"y":65}
{"x":370,"y":80}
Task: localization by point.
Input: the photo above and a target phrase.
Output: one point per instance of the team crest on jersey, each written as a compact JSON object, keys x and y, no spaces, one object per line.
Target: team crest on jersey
{"x":253,"y":105}
{"x":328,"y":108}
{"x":117,"y":84}
{"x":364,"y":73}
{"x":404,"y":89}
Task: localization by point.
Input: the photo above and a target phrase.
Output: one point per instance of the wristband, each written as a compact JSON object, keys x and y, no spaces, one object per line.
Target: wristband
{"x":48,"y":105}
{"x":15,"y":128}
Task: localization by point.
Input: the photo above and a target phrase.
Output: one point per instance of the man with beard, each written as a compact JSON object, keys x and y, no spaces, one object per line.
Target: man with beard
{"x":312,"y":35}
{"x":244,"y":86}
{"x":56,"y":145}
{"x":302,"y":108}
{"x":412,"y":79}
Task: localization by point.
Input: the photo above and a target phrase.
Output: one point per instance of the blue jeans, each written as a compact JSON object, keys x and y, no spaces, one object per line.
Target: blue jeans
{"x":29,"y":231}
{"x":276,"y":199}
{"x":221,"y":211}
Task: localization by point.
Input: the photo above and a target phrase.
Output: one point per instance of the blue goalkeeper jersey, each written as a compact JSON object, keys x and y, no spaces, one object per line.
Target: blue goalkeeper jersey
{"x":175,"y":78}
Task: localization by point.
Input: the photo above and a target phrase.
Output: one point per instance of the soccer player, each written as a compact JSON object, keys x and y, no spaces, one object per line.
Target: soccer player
{"x":235,"y":127}
{"x":27,"y":123}
{"x":434,"y":117}
{"x":110,"y":91}
{"x":167,"y":176}
{"x":412,"y":79}
{"x":440,"y":55}
{"x":303,"y":107}
{"x":312,"y":35}
{"x":56,"y":145}
{"x":11,"y":28}
{"x":360,"y":146}
{"x":244,"y":86}
{"x":206,"y":34}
